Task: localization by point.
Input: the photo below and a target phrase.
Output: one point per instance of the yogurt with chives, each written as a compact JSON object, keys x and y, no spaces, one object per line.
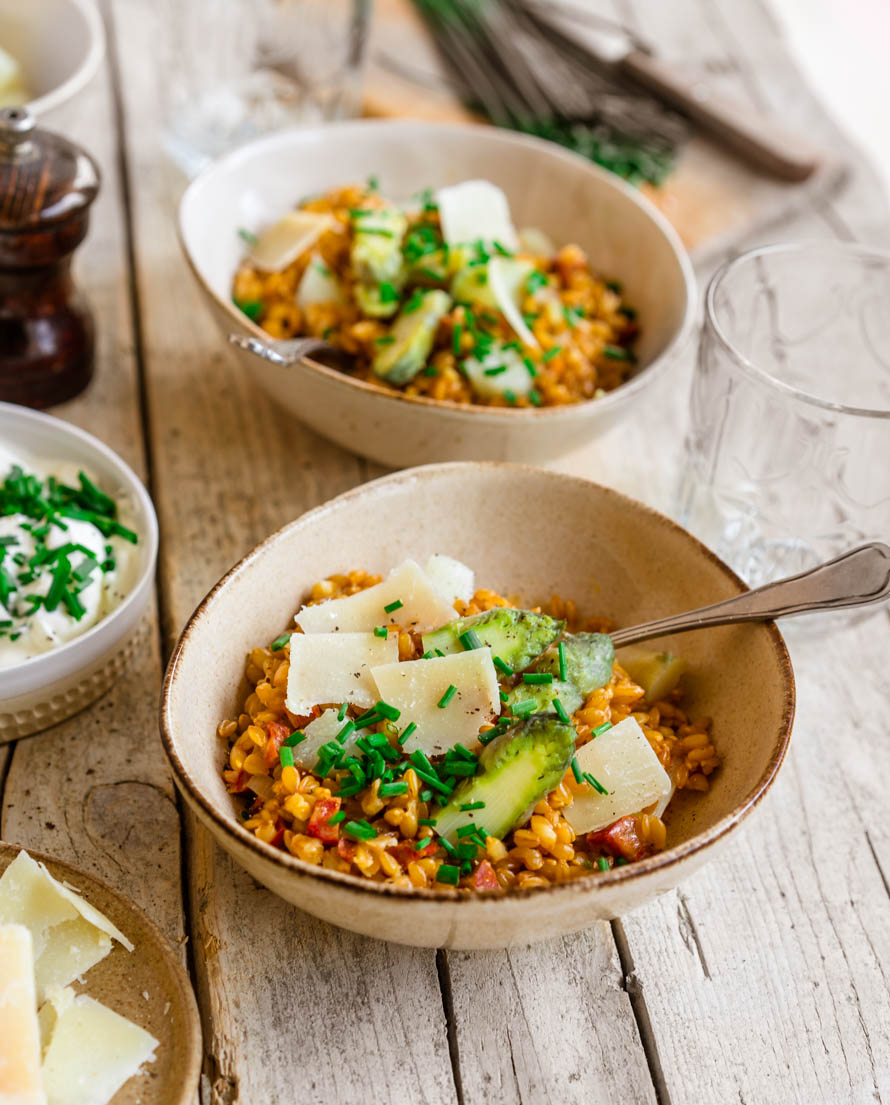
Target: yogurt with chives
{"x":67,"y":556}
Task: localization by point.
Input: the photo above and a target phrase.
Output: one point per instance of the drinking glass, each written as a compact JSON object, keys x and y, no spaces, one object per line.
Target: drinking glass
{"x":233,"y":70}
{"x":788,"y":455}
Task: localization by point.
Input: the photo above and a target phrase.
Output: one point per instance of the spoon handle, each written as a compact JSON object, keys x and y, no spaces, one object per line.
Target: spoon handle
{"x":856,"y":578}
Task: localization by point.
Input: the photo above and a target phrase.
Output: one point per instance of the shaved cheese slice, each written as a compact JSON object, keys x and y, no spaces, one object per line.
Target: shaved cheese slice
{"x":335,"y":667}
{"x":324,"y":729}
{"x":622,"y":760}
{"x":450,"y":578}
{"x":91,"y":1051}
{"x":536,"y":241}
{"x":72,"y":948}
{"x":473,"y":210}
{"x":20,"y":1082}
{"x":318,"y":284}
{"x":420,"y":607}
{"x":515,"y":377}
{"x":505,"y":280}
{"x":69,"y":934}
{"x":282,"y":243}
{"x":416,"y":688}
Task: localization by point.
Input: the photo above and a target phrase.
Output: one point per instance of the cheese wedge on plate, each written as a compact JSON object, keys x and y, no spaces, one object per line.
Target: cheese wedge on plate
{"x":69,"y":935}
{"x":407,"y":590}
{"x":335,"y":667}
{"x":421,"y":690}
{"x":452,"y":579}
{"x":20,"y":1081}
{"x":89,"y":1050}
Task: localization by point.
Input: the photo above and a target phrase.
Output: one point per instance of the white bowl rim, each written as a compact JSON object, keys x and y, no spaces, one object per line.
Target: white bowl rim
{"x":84,"y":73}
{"x":30,"y":670}
{"x":617,"y":875}
{"x":496,"y":135}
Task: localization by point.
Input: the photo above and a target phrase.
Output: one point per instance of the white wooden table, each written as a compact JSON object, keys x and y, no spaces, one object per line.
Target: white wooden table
{"x":764,"y":980}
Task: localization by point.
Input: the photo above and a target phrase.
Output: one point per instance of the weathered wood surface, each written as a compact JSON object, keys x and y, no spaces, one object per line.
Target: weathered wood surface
{"x":762,"y":981}
{"x":96,"y":790}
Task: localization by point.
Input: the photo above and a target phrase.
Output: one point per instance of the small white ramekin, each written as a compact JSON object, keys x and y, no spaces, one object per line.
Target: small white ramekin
{"x":51,"y":687}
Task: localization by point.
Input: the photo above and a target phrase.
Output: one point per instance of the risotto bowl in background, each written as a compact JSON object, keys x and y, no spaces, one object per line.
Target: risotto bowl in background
{"x":615,"y":557}
{"x":562,"y":194}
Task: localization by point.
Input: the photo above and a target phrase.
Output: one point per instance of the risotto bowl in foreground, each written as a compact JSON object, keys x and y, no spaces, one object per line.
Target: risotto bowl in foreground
{"x":547,"y":188}
{"x":616,"y":558}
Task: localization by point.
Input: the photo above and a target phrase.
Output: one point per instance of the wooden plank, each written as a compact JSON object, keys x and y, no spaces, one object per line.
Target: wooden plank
{"x":95,"y":790}
{"x":287,"y":1001}
{"x":781,"y":945}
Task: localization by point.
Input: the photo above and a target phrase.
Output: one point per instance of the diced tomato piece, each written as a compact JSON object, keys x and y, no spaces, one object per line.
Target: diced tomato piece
{"x":621,"y":838}
{"x":277,"y":734}
{"x":240,"y":783}
{"x":320,"y":821}
{"x":346,"y":848}
{"x":405,"y":853}
{"x":484,"y":877}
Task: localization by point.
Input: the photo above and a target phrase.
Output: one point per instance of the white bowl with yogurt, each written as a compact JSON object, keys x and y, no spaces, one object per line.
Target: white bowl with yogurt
{"x":89,"y":574}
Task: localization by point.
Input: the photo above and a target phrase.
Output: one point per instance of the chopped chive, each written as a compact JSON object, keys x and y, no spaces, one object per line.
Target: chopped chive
{"x":534,"y":397}
{"x":280,"y":642}
{"x":341,"y":713}
{"x":537,"y":677}
{"x":461,"y":768}
{"x":430,"y":821}
{"x":525,"y":707}
{"x":448,"y":846}
{"x":373,"y":184}
{"x":576,"y":770}
{"x":422,"y":843}
{"x":466,"y":830}
{"x":552,"y":352}
{"x":396,"y":605}
{"x":361,"y":830}
{"x":503,"y":696}
{"x":388,"y":293}
{"x":391,"y":713}
{"x":503,"y":666}
{"x":617,"y":353}
{"x":561,"y":711}
{"x":294,"y":739}
{"x":447,"y":697}
{"x":510,"y":396}
{"x":448,"y":873}
{"x":467,"y":806}
{"x":386,"y":339}
{"x":286,"y":755}
{"x":406,"y":732}
{"x":388,"y":790}
{"x":382,"y":232}
{"x":495,"y":371}
{"x":426,"y":795}
{"x":561,"y":653}
{"x":348,"y":728}
{"x":337,"y":817}
{"x":470,"y":639}
{"x":530,"y":366}
{"x":439,"y":652}
{"x":602,"y":863}
{"x":380,"y":631}
{"x":595,"y":783}
{"x":248,"y":236}
{"x":455,"y":338}
{"x":600,"y":729}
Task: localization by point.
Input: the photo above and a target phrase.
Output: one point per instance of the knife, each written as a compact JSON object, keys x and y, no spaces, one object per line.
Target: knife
{"x":758,"y":140}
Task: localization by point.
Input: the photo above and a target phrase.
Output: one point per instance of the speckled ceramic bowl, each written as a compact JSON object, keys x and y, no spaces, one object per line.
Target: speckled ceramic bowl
{"x":51,"y":687}
{"x":548,"y":187}
{"x":614,"y":556}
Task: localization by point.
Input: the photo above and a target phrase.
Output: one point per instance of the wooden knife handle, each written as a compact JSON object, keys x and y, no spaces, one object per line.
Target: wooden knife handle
{"x":760,"y":141}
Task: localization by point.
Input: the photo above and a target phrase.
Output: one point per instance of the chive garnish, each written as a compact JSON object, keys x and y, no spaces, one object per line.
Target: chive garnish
{"x":525,"y":707}
{"x":552,"y":352}
{"x":466,"y":830}
{"x":455,"y":338}
{"x":561,"y":711}
{"x":388,"y":294}
{"x":386,"y":339}
{"x":602,"y":863}
{"x":447,"y":697}
{"x":341,"y":713}
{"x":430,"y":821}
{"x":348,"y":728}
{"x":576,"y":770}
{"x":467,"y":806}
{"x":406,"y":732}
{"x":422,"y":843}
{"x":604,"y":728}
{"x":595,"y":783}
{"x":247,"y":235}
{"x":495,"y":371}
{"x":503,"y":666}
{"x":380,"y":631}
{"x":286,"y":755}
{"x":537,"y":677}
{"x":361,"y":830}
{"x":391,"y":713}
{"x":389,"y":790}
{"x":448,"y":873}
{"x":561,"y":653}
{"x":617,"y":353}
{"x":397,"y":605}
{"x":337,"y":817}
{"x":470,"y":639}
{"x":294,"y":739}
{"x":382,"y":232}
{"x":280,"y":642}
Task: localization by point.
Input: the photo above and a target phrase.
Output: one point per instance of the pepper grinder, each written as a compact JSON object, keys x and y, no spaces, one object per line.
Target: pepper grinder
{"x":47,"y":185}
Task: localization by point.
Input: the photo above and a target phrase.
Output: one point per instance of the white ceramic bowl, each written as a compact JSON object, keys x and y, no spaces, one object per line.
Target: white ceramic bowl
{"x":525,"y":531}
{"x":58,"y":43}
{"x":51,"y":687}
{"x":548,"y":187}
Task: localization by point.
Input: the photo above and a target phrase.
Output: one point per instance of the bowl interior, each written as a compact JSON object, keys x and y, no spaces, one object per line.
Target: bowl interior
{"x":526,"y":532}
{"x":562,"y":194}
{"x":52,"y":40}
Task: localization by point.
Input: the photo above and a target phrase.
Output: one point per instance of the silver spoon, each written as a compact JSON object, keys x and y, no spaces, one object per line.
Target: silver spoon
{"x":285,"y":352}
{"x":856,"y":578}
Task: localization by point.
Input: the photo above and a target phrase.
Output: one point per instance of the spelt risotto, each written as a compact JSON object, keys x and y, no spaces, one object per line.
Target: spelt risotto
{"x":419,"y":731}
{"x":441,"y":297}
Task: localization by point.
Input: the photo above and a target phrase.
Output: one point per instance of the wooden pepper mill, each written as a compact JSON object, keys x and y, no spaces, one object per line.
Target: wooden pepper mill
{"x":46,"y":330}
